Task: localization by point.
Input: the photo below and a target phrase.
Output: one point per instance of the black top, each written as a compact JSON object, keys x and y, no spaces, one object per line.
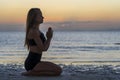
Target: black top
{"x":33,"y":43}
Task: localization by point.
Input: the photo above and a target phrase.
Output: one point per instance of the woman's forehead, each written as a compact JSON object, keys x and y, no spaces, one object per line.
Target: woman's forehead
{"x":38,"y":12}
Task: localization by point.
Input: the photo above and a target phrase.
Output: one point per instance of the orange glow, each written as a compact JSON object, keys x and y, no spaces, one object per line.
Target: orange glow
{"x":60,"y":10}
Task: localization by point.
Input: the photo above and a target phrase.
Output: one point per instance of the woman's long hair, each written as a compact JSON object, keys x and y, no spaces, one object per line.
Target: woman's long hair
{"x":30,"y":21}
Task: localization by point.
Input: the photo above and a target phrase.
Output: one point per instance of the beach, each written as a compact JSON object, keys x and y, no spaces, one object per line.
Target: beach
{"x":80,"y":36}
{"x":70,"y":72}
{"x":81,"y":55}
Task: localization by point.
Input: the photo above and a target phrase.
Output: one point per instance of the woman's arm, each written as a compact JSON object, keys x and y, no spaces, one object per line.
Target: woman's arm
{"x":40,"y":45}
{"x":47,"y":44}
{"x":49,"y":35}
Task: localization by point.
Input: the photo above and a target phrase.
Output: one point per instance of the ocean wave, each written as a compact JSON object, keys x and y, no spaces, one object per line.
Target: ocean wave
{"x":117,"y":43}
{"x":88,"y":47}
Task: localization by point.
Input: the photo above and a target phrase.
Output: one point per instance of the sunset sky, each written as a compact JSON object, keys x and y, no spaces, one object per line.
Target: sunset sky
{"x":106,"y":11}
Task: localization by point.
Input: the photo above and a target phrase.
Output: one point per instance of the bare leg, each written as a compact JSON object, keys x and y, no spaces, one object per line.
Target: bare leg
{"x":36,"y":73}
{"x":47,"y":66}
{"x":44,"y":69}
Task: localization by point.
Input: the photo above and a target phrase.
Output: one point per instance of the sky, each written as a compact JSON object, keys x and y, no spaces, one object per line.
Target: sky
{"x":84,"y":14}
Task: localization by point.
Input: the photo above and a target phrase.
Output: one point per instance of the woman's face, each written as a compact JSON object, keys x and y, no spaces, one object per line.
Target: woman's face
{"x":39,"y":17}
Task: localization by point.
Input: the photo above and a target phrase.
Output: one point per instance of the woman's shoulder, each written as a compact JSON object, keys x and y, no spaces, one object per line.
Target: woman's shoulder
{"x":33,"y":33}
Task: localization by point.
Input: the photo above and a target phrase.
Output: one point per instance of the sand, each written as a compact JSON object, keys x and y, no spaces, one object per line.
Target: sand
{"x":70,"y":72}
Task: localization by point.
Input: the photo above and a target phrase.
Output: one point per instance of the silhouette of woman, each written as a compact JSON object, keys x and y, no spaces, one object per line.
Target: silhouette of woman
{"x":36,"y":43}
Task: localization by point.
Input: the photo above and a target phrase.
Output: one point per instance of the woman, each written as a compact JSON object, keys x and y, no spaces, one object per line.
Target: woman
{"x":36,"y":44}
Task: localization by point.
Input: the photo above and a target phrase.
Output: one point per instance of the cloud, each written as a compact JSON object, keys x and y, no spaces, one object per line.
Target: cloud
{"x":83,"y":25}
{"x":12,"y":27}
{"x":67,"y":26}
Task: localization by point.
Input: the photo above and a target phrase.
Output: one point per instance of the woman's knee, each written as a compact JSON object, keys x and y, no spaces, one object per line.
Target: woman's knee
{"x":56,"y":67}
{"x":58,"y":71}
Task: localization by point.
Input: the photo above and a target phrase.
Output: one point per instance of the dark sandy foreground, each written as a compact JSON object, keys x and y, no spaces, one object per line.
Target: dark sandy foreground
{"x":70,"y":72}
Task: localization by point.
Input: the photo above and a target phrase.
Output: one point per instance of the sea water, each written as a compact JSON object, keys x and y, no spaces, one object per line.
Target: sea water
{"x":66,"y":47}
{"x":72,"y":48}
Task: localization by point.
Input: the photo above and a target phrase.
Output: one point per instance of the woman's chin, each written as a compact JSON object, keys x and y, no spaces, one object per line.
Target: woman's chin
{"x":41,"y":22}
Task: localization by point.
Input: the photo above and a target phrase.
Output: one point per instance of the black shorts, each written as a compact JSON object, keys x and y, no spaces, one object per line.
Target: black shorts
{"x":32,"y":60}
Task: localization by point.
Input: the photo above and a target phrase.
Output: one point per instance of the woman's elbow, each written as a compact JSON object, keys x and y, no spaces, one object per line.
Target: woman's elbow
{"x":45,"y":49}
{"x":42,"y":49}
